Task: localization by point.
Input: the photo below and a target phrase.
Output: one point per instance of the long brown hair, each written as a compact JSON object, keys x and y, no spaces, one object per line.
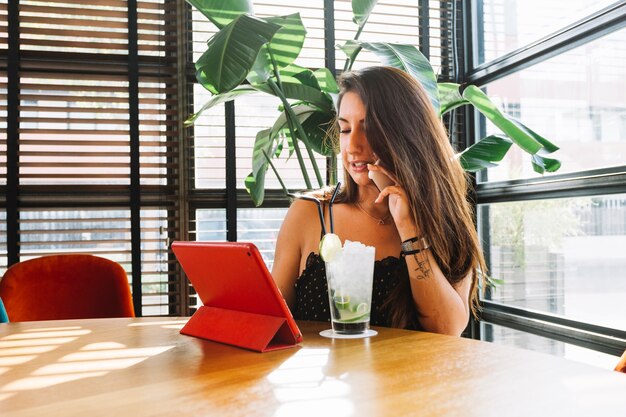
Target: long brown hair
{"x":408,"y":137}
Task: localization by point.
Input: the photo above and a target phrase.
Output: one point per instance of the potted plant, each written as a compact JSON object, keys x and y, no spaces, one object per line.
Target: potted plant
{"x":251,"y":54}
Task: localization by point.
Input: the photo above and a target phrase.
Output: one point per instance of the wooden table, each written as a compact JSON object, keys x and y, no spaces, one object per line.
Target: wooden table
{"x":144,"y":367}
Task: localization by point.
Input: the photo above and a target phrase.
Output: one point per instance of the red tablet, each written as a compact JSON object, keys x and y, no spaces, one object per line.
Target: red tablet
{"x":241,"y":304}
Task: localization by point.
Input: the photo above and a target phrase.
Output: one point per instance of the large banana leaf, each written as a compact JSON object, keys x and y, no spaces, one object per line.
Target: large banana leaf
{"x":351,"y":49}
{"x":361,"y":10}
{"x":312,"y":120}
{"x":449,"y":97}
{"x":542,"y":164}
{"x":548,"y":147}
{"x":222,"y":12}
{"x":311,"y":95}
{"x":326,"y":80}
{"x":484,"y":105}
{"x":218,"y":99}
{"x":285,"y":47}
{"x":405,"y":57}
{"x":232,"y":52}
{"x":299,"y":75}
{"x":255,"y":181}
{"x":255,"y":186}
{"x":485,"y":153}
{"x":316,"y":124}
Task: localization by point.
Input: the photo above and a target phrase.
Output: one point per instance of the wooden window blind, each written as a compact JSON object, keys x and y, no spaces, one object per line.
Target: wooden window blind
{"x":97,"y":136}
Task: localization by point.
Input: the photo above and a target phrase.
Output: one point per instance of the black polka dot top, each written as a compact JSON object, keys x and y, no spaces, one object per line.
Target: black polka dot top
{"x":312,"y":291}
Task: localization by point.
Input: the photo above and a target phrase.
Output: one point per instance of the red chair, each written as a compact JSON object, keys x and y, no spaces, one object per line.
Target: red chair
{"x":621,"y":365}
{"x":59,"y":287}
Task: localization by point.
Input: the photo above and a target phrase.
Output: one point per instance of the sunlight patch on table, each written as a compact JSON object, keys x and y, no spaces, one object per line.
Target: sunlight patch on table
{"x":52,"y":329}
{"x":36,"y":342}
{"x":25,"y":350}
{"x":103,"y":346}
{"x":16,"y":360}
{"x":38,"y":382}
{"x":303,"y":389}
{"x":43,"y":335}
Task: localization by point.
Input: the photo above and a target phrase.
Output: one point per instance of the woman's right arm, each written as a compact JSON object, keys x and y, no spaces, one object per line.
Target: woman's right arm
{"x":289,"y":247}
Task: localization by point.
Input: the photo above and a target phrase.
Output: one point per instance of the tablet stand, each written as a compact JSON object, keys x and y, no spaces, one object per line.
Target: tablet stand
{"x":256,"y":332}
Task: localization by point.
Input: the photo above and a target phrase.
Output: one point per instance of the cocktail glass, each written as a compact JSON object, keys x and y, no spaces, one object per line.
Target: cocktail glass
{"x":350,"y":279}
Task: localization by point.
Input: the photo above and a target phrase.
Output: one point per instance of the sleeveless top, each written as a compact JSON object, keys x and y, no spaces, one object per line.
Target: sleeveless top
{"x":312,"y":301}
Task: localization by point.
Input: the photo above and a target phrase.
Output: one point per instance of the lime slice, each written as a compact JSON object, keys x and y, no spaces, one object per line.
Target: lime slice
{"x":330,"y":246}
{"x":361,"y":308}
{"x":341,"y":301}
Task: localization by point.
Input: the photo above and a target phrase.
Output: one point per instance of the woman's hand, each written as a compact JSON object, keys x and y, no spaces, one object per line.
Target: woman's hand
{"x":399,"y":206}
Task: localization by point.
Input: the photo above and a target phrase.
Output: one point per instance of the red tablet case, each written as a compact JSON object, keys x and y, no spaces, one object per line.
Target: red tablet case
{"x":242,"y":305}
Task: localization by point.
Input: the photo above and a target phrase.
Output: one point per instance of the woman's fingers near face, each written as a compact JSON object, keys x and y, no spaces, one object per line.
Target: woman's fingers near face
{"x":391,"y":190}
{"x":382,"y":170}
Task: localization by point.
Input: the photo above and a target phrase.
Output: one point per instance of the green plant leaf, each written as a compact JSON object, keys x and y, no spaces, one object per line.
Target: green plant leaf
{"x":255,"y":186}
{"x":287,"y":43}
{"x":222,"y":12}
{"x":285,"y":46}
{"x":548,"y":147}
{"x":263,"y":144}
{"x":231,"y":53}
{"x":542,"y":164}
{"x":255,"y":181}
{"x":484,"y":105}
{"x":361,"y":10}
{"x":449,"y":97}
{"x":351,"y":49}
{"x":302,"y":92}
{"x":316,"y":126}
{"x":218,"y":99}
{"x":297,"y":74}
{"x":326,"y":80}
{"x":313,"y":121}
{"x":485,"y":153}
{"x":407,"y":58}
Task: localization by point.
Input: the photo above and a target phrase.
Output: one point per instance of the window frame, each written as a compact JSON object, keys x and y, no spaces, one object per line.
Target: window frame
{"x":604,"y":181}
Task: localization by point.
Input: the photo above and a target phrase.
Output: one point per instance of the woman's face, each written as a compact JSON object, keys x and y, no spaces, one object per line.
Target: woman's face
{"x":356,"y":152}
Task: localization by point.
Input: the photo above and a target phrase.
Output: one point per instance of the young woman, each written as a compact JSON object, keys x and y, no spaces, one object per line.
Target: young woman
{"x":429,"y":282}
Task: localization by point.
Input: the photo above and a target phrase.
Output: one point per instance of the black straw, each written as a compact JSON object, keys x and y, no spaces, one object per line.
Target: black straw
{"x":319,"y":208}
{"x":330,"y":207}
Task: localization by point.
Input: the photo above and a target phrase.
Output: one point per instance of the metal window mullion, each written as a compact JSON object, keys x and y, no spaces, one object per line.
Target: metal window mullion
{"x":330,"y":63}
{"x":580,"y":334}
{"x":185,"y":106}
{"x":231,"y":172}
{"x":596,"y":182}
{"x":135,"y":190}
{"x":424,"y":22}
{"x":13,"y":121}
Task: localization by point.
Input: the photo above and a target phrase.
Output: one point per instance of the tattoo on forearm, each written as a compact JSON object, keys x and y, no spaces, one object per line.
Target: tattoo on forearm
{"x":423,"y":265}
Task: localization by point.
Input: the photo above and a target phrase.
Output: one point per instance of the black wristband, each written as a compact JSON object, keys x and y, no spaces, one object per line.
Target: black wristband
{"x":414,"y":245}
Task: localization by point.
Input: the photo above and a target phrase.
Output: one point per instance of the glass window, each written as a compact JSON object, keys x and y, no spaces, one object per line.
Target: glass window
{"x":208,"y":166}
{"x":261,"y":226}
{"x":506,"y":25}
{"x":573,"y":101}
{"x":564,"y":256}
{"x":510,"y":337}
{"x":210,"y":225}
{"x":157,"y":279}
